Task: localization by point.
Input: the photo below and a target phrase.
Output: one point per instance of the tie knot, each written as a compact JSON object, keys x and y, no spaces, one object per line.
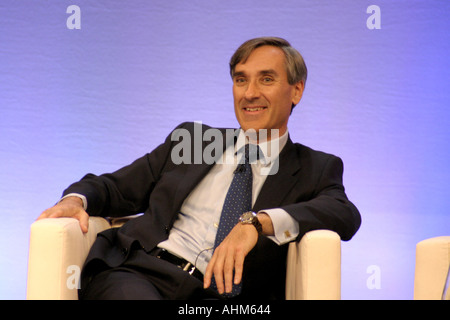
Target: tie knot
{"x":251,"y":153}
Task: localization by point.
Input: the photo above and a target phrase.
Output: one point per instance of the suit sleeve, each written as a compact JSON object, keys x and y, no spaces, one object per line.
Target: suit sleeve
{"x":329,"y":207}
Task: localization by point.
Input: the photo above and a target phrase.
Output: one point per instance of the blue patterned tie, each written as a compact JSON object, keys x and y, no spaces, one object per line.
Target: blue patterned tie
{"x":237,"y":201}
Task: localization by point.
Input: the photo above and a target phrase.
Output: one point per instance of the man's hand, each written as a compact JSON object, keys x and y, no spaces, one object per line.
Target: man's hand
{"x":68,"y":207}
{"x":229,"y":256}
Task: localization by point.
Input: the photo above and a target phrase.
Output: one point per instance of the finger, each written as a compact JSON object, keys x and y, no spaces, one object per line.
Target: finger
{"x":208,"y":273}
{"x":43,"y":215}
{"x":84,"y":222}
{"x":238,"y":268}
{"x":228,"y":272}
{"x":218,"y":271}
{"x":49,"y":213}
{"x":207,"y":280}
{"x":218,"y":277}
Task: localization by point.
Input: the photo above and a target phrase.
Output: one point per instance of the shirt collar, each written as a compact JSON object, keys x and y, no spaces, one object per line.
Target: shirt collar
{"x":270,"y":149}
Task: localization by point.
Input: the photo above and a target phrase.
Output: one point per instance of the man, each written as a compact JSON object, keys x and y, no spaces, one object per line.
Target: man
{"x":172,"y":251}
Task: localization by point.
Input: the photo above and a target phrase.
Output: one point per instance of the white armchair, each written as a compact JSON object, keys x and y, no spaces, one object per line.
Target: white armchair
{"x":431,"y":278}
{"x":58,"y":249}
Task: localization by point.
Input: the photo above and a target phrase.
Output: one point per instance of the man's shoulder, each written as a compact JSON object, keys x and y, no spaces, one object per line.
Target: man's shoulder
{"x":308,"y":153}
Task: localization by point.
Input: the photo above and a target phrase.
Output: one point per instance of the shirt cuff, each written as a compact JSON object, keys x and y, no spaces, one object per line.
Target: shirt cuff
{"x":285,"y":227}
{"x":83,"y":198}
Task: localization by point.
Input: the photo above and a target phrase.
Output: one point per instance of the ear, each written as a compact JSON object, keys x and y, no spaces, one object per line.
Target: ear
{"x":297,"y":92}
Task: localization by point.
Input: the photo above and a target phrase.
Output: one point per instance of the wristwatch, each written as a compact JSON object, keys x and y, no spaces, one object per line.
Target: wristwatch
{"x":249,"y":217}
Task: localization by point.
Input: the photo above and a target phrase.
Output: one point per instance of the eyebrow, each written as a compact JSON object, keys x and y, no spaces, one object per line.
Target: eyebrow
{"x":262,"y":72}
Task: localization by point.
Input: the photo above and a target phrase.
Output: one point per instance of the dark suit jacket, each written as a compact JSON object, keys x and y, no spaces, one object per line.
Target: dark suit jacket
{"x":308,"y":186}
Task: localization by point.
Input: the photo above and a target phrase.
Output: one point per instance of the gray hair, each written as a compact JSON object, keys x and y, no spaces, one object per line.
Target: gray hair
{"x":295,"y":65}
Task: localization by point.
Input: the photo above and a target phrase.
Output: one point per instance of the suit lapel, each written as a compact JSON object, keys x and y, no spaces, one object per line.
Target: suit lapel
{"x":277,"y":186}
{"x":191,"y":175}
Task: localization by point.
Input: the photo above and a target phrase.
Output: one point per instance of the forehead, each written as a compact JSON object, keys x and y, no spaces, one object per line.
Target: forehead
{"x":263,"y":58}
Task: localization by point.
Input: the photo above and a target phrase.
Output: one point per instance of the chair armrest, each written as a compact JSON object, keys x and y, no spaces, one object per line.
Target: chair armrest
{"x":314,"y":267}
{"x":432,"y":268}
{"x":57,"y":252}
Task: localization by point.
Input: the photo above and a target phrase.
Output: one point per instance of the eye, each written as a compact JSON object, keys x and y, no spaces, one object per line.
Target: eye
{"x":239,"y":80}
{"x":267,"y":79}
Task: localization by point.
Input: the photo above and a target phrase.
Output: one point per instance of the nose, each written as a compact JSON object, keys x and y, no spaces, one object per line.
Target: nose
{"x":252,"y":91}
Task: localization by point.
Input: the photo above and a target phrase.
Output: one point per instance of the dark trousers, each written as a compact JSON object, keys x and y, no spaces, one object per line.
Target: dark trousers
{"x":143,"y":277}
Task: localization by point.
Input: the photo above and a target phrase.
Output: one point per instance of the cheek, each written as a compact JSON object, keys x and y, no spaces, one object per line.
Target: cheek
{"x":283,"y":105}
{"x":236,"y":96}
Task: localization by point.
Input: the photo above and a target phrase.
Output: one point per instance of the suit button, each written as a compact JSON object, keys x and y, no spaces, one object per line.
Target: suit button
{"x":124,"y":251}
{"x":166,"y":228}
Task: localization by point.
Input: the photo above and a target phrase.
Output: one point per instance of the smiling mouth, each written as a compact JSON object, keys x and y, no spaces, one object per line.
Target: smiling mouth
{"x":254,"y":109}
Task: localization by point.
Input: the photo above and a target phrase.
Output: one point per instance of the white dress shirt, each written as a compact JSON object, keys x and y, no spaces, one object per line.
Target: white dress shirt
{"x":194,"y":231}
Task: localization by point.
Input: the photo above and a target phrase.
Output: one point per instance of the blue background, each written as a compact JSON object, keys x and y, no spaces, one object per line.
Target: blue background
{"x":95,"y":99}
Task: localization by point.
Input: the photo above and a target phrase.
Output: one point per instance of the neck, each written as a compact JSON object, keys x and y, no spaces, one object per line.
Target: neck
{"x":263,"y":135}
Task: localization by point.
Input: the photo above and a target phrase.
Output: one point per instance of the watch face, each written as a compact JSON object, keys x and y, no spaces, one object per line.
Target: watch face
{"x":247,"y":217}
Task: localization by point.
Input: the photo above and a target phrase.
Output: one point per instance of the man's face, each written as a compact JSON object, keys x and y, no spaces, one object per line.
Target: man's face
{"x":262,"y":95}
